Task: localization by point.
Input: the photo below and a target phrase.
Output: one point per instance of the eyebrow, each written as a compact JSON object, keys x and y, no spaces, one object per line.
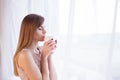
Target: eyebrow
{"x":40,"y":26}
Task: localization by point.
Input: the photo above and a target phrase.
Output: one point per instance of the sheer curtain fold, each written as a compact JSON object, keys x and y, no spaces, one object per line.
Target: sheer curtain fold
{"x":93,"y":29}
{"x":11,"y":15}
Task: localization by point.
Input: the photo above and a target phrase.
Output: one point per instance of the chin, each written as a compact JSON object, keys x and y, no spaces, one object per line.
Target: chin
{"x":42,"y":38}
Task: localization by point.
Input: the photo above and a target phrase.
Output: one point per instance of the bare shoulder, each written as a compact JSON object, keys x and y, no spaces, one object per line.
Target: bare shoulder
{"x":24,"y":56}
{"x":24,"y":53}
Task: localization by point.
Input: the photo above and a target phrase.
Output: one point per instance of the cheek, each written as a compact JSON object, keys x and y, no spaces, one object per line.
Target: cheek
{"x":39,"y":35}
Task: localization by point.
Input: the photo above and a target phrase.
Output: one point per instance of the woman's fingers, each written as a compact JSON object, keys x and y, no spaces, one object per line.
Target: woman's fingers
{"x":49,"y":46}
{"x":52,"y":43}
{"x":52,"y":47}
{"x":47,"y":42}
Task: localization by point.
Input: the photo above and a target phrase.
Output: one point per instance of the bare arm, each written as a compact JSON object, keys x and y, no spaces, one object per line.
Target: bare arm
{"x":46,"y":60}
{"x":53,"y":74}
{"x":45,"y":71}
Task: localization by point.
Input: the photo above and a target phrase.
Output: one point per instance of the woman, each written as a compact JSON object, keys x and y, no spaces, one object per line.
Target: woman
{"x":32,"y":62}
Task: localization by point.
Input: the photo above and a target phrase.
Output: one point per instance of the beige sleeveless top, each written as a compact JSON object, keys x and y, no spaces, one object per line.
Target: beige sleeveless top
{"x":22,"y":74}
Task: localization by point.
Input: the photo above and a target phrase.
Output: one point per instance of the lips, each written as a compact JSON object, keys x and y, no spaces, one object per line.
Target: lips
{"x":43,"y":37}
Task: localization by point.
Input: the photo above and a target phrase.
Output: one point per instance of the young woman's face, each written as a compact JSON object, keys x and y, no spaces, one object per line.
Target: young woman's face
{"x":40,"y":33}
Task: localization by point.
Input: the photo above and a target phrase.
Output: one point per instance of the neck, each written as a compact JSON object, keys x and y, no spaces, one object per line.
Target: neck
{"x":33,"y":46}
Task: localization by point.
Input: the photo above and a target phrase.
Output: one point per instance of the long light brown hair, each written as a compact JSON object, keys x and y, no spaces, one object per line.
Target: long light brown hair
{"x":29,"y":24}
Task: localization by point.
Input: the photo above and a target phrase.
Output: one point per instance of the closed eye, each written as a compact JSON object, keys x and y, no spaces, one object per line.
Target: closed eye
{"x":40,"y":28}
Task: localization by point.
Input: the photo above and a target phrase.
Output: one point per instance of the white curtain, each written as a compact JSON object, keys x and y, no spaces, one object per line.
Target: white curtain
{"x":88,"y":33}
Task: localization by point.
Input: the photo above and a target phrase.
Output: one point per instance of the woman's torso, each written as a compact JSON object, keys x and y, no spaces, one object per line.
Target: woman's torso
{"x":37,"y":58}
